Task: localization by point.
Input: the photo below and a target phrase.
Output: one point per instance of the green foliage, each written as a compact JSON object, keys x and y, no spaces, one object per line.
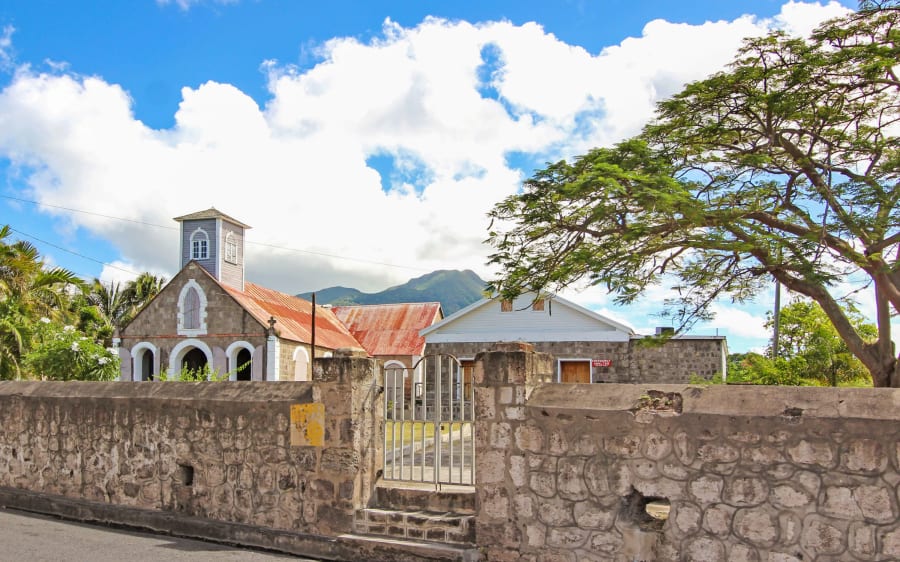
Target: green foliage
{"x":811,"y":349}
{"x":63,"y":353}
{"x":786,"y":165}
{"x":810,"y":352}
{"x":36,"y":301}
{"x":187,"y":374}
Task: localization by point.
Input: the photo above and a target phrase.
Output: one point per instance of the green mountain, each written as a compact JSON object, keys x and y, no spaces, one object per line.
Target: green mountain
{"x":452,"y":288}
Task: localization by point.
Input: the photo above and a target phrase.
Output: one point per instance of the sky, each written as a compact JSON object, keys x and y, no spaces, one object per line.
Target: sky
{"x":364,"y":141}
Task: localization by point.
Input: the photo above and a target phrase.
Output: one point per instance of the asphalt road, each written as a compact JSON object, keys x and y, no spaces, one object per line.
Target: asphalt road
{"x":26,"y":537}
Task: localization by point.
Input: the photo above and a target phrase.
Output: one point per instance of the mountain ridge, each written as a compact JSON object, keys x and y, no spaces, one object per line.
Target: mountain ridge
{"x":453,"y":288}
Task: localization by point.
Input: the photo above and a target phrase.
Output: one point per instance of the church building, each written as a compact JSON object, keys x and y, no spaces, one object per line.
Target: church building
{"x":210,"y":316}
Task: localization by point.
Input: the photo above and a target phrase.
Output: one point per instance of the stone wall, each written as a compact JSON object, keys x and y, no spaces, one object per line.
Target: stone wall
{"x":225,"y":451}
{"x":566,"y":472}
{"x":675,"y":361}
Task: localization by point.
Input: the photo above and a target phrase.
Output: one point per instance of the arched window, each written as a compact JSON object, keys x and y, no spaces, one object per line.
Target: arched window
{"x":231,"y":249}
{"x":144,"y":357}
{"x":301,"y":365}
{"x":192,"y":310}
{"x":199,"y":245}
{"x":240,"y":361}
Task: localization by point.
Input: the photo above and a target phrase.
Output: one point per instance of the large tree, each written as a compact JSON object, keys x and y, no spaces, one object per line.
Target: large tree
{"x":28,"y":291}
{"x":783,"y":166}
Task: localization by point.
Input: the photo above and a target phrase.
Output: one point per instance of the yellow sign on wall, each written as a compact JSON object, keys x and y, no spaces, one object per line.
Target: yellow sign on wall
{"x":308,"y":425}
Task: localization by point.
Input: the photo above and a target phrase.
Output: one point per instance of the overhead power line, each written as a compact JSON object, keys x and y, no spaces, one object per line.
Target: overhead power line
{"x":144,"y":223}
{"x":95,"y":260}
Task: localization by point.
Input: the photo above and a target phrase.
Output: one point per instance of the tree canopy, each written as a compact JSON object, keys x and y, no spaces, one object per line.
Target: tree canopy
{"x":783,"y":166}
{"x":53,"y":325}
{"x":810,"y":351}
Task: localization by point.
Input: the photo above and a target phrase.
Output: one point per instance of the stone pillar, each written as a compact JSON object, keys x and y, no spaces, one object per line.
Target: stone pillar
{"x":504,"y":377}
{"x":350,"y":386}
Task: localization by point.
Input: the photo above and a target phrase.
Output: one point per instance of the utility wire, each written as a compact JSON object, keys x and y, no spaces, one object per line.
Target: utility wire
{"x":273,"y":246}
{"x":25,"y":234}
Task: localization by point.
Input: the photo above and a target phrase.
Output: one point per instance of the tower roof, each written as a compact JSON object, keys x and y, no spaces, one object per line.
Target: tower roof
{"x":211,"y":213}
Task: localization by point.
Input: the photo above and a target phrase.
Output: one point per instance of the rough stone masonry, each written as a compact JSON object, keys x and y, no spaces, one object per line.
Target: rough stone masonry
{"x":566,"y":472}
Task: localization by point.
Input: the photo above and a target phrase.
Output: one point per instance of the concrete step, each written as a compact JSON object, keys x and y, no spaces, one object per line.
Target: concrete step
{"x":385,"y":549}
{"x":433,"y":526}
{"x":414,"y":496}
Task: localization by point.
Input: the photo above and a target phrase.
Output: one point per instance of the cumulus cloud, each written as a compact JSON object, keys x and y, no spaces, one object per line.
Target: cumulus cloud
{"x":445,"y":105}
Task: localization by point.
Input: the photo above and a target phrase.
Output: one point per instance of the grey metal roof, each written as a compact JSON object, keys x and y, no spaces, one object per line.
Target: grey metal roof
{"x":211,"y":213}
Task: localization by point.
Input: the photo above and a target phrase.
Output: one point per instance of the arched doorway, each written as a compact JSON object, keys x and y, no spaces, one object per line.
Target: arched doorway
{"x":147,"y":365}
{"x":243,"y":364}
{"x":194,"y":360}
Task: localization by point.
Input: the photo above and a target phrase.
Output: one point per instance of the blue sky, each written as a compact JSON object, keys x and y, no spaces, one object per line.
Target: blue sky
{"x":363,"y":141}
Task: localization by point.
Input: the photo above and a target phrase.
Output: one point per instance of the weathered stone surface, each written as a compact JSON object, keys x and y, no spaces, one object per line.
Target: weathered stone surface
{"x":745,"y":491}
{"x":890,"y":542}
{"x":822,"y":537}
{"x":591,"y":515}
{"x":657,"y":446}
{"x":555,"y":512}
{"x":865,"y":456}
{"x":812,"y":452}
{"x":492,"y":467}
{"x":624,"y":446}
{"x":567,"y":537}
{"x":758,"y":526}
{"x":839,"y":502}
{"x":790,"y":496}
{"x":705,"y":549}
{"x":876,"y":503}
{"x":570,"y":479}
{"x":707,"y":489}
{"x":687,"y":518}
{"x":718,"y":453}
{"x":529,"y":438}
{"x":861,"y":540}
{"x":717,"y":519}
{"x":743,"y":553}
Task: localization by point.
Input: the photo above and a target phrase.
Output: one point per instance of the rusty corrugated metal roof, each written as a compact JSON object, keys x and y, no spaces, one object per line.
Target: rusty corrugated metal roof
{"x":390,"y":329}
{"x":211,"y":213}
{"x":293,"y":317}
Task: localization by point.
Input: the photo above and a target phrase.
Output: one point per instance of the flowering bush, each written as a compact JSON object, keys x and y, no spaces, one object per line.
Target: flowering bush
{"x":64,"y":353}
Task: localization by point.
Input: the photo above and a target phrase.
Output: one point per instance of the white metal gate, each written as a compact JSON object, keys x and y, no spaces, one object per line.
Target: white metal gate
{"x":429,"y":425}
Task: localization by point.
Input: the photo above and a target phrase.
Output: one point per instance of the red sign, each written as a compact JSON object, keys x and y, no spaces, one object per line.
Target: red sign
{"x":601,"y":362}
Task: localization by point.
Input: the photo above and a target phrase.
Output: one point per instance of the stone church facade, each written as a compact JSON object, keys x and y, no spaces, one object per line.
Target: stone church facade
{"x":208,"y":315}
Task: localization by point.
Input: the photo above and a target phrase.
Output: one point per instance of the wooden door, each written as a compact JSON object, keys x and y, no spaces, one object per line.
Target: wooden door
{"x":575,"y":371}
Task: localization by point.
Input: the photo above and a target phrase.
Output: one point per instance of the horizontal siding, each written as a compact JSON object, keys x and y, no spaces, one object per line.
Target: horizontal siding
{"x":188,"y":228}
{"x":232,"y":273}
{"x":557,"y":322}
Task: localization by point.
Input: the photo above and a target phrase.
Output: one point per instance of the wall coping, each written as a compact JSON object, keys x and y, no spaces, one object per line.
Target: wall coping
{"x":222,"y":391}
{"x":736,"y":401}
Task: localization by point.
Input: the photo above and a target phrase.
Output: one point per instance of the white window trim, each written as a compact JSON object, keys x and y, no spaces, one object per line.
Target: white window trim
{"x":137,"y":356}
{"x":192,"y":332}
{"x":231,"y":352}
{"x":231,"y":249}
{"x":198,"y":234}
{"x":297,"y":353}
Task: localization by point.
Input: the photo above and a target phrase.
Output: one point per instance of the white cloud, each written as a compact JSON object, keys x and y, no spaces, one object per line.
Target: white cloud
{"x":188,"y":4}
{"x":6,"y":56}
{"x":296,"y":169}
{"x":741,"y":323}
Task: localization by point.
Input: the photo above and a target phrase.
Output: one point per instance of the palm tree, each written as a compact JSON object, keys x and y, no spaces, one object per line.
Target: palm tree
{"x":142,"y":289}
{"x":28,"y":292}
{"x":106,"y":307}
